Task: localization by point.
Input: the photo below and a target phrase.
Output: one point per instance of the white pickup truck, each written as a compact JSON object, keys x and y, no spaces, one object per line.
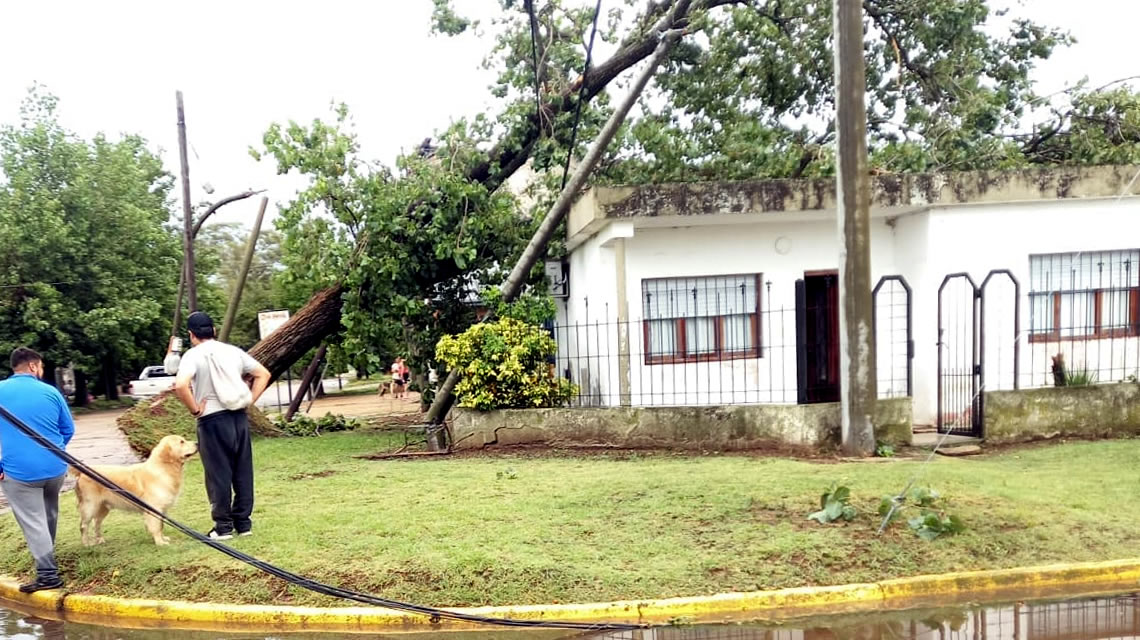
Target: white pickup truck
{"x":151,"y":382}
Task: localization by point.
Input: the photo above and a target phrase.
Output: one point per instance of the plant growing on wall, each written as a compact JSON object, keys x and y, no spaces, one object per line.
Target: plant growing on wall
{"x":506,"y":362}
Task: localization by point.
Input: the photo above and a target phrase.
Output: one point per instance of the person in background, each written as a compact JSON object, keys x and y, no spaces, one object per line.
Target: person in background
{"x":399,"y":378}
{"x":30,"y":475}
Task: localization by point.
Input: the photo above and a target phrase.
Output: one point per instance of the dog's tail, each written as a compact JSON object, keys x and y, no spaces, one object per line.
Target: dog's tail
{"x":72,"y":472}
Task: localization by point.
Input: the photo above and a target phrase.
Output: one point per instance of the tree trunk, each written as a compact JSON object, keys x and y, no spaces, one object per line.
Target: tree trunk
{"x":109,"y":383}
{"x":80,"y":388}
{"x":306,"y":383}
{"x":306,"y":329}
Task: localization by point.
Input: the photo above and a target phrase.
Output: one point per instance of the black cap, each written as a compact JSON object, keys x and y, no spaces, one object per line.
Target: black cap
{"x":199,"y":323}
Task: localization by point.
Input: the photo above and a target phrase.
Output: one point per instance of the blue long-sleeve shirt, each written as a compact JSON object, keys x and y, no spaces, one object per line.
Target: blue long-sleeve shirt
{"x":43,"y":408}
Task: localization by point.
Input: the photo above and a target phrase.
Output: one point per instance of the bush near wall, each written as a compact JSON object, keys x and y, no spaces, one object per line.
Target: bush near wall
{"x":505,"y":365}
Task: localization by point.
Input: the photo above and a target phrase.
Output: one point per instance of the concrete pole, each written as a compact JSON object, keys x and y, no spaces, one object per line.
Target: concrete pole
{"x":856,"y":338}
{"x":235,"y":297}
{"x":187,"y":210}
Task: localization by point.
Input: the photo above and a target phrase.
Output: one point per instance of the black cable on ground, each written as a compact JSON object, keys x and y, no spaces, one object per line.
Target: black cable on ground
{"x":433,"y":613}
{"x":581,"y":94}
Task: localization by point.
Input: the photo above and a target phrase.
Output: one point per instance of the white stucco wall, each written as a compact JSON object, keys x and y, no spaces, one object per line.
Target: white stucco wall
{"x":923,"y":247}
{"x":979,"y":239}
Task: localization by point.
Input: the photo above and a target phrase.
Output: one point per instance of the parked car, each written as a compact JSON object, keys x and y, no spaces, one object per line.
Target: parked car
{"x":151,"y":382}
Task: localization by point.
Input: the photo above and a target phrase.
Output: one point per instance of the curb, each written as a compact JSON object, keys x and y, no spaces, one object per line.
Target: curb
{"x":784,"y":604}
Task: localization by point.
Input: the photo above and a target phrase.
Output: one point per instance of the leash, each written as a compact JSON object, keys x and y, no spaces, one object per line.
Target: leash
{"x":434,"y":614}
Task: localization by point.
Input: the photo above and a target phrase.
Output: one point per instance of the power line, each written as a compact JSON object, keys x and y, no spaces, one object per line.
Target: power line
{"x":534,"y":55}
{"x":581,"y":94}
{"x":433,"y":614}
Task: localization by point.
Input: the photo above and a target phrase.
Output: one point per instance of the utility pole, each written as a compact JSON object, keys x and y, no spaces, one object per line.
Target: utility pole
{"x":196,"y":226}
{"x":856,"y":335}
{"x":250,"y":249}
{"x":187,"y":210}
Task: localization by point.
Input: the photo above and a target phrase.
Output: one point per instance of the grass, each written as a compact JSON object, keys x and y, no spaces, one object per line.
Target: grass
{"x":563,"y":527}
{"x":102,"y":404}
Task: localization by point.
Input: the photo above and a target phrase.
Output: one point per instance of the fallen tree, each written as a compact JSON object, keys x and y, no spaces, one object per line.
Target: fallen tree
{"x":320,"y":317}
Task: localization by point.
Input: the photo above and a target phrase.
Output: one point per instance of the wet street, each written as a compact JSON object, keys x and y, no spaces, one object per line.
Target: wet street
{"x":1099,"y":618}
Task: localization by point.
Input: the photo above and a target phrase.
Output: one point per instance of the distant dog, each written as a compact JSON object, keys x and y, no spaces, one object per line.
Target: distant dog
{"x":157,"y":481}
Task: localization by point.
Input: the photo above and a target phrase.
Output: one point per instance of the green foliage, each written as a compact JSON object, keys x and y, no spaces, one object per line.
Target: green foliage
{"x":931,"y":522}
{"x":1081,"y":378}
{"x":411,"y":244}
{"x":884,"y":450}
{"x":834,"y":505}
{"x":304,"y":426}
{"x":529,"y":307}
{"x":505,"y":366}
{"x":89,"y":269}
{"x":754,"y":97}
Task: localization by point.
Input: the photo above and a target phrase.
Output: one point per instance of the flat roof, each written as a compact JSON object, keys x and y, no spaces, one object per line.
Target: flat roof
{"x":891,"y":194}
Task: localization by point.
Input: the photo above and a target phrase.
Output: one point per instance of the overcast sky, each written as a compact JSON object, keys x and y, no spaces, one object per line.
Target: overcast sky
{"x":244,"y":64}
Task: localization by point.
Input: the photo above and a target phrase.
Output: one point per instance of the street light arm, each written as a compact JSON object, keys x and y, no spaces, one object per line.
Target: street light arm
{"x":219,"y":204}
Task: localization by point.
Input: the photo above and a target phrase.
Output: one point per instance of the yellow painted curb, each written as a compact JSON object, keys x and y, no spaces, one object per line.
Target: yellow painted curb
{"x":1023,"y":583}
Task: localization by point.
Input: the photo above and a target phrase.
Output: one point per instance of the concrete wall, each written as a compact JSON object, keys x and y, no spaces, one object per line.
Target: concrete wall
{"x":687,"y":428}
{"x":1092,"y":411}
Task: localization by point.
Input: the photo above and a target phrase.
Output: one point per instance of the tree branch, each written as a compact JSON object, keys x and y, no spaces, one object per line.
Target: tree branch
{"x":505,"y":158}
{"x":218,"y":205}
{"x":924,"y":75}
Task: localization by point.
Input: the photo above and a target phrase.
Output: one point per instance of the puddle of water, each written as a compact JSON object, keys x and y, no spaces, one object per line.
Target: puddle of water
{"x":1101,"y":618}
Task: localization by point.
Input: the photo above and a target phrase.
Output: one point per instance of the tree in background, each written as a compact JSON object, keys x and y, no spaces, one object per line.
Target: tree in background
{"x":89,"y":266}
{"x":410,"y":245}
{"x":220,"y":251}
{"x":755,"y":99}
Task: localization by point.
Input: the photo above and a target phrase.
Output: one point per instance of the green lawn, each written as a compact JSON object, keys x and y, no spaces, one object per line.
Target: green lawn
{"x":510,"y":529}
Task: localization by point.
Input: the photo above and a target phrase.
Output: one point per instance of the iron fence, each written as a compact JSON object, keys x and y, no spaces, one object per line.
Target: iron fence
{"x":1080,"y":322}
{"x":722,"y":342}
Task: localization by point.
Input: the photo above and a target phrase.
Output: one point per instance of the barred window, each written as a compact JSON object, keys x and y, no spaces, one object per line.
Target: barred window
{"x":1087,"y":294}
{"x":704,"y":318}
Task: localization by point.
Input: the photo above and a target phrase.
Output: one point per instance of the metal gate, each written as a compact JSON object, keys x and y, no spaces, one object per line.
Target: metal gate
{"x":962,"y":350}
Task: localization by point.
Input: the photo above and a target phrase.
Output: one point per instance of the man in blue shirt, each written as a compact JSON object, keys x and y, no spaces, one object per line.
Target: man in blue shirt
{"x":30,"y":475}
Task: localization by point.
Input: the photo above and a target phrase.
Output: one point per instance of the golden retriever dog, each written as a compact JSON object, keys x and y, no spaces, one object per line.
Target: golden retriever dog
{"x":157,"y":481}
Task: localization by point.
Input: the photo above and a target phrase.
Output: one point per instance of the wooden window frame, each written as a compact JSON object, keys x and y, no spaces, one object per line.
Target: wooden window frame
{"x":1098,"y":331}
{"x":718,"y":354}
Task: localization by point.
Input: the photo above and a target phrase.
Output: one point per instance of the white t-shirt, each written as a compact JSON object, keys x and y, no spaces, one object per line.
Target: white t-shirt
{"x":194,"y":364}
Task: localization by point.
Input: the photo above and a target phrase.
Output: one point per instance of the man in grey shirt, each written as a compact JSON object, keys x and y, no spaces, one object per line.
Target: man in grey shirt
{"x":209,"y":383}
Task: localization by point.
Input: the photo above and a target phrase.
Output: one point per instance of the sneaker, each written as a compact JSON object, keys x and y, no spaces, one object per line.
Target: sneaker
{"x":248,"y":532}
{"x":214,"y":535}
{"x":41,"y":585}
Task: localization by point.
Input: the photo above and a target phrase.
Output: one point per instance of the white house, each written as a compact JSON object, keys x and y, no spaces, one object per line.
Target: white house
{"x":726,"y":293}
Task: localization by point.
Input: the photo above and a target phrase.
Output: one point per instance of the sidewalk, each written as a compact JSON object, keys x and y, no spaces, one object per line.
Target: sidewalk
{"x":97,"y":441}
